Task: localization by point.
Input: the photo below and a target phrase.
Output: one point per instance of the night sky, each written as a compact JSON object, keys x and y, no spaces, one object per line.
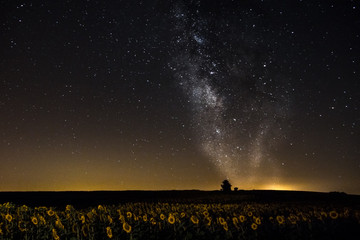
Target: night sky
{"x":154,"y":95}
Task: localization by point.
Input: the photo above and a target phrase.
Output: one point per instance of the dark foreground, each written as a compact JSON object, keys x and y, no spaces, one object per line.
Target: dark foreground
{"x":178,"y":215}
{"x":86,"y":199}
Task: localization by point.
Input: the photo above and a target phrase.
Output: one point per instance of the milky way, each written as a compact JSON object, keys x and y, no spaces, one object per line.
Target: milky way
{"x":237,"y":107}
{"x":150,"y":95}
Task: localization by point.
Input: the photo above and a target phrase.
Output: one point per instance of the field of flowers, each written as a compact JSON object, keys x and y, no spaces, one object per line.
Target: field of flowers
{"x":180,"y":221}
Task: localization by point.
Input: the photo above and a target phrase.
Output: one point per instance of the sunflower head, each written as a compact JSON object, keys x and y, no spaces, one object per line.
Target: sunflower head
{"x":222,"y":221}
{"x":194,"y":219}
{"x":225,"y":226}
{"x":50,"y":212}
{"x":8,"y":217}
{"x":171,"y":219}
{"x":34,"y":220}
{"x":69,"y":208}
{"x":54,"y":233}
{"x":280,"y":219}
{"x":254,"y":226}
{"x":127,"y":227}
{"x":109,"y":232}
{"x":333,"y":214}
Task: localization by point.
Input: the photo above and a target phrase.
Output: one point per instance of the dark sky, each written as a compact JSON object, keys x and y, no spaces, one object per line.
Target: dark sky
{"x":116,"y":95}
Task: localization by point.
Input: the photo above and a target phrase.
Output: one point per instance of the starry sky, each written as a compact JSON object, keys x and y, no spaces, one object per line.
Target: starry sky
{"x":155,"y":95}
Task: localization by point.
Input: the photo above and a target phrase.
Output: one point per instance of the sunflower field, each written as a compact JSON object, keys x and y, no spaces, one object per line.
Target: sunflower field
{"x":179,"y":221}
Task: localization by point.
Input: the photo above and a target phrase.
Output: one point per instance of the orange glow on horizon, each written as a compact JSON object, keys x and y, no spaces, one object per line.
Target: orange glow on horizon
{"x":279,"y":187}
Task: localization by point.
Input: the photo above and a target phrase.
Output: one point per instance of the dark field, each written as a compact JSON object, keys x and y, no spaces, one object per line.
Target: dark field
{"x":86,"y":199}
{"x":179,"y":215}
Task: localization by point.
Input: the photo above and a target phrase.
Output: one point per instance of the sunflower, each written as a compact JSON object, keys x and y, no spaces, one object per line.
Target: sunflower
{"x":24,"y":208}
{"x":242,"y":218}
{"x":21,"y":226}
{"x":209,"y":221}
{"x":8,"y":217}
{"x":258,"y":221}
{"x":333,"y":214}
{"x":54,"y":233}
{"x":280,"y":219}
{"x":89,"y":215}
{"x":254,"y":226}
{"x":152,"y":220}
{"x":145,"y":218}
{"x":225,"y":226}
{"x":194,"y":219}
{"x":69,"y":208}
{"x":110,"y":219}
{"x":122,"y":218}
{"x":293,"y":219}
{"x":129,"y":214}
{"x":41,"y":209}
{"x":206,"y":213}
{"x":82,"y":218}
{"x":127,"y":227}
{"x":93,"y":211}
{"x":171,"y":219}
{"x":100,"y":208}
{"x":250,"y":214}
{"x":222,"y":221}
{"x":109,"y":232}
{"x":50,"y":212}
{"x":34,"y":220}
{"x":162,"y":216}
{"x":59,"y":224}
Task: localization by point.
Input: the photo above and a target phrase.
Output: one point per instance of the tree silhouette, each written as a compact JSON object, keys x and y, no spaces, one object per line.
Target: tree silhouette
{"x":226,"y":186}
